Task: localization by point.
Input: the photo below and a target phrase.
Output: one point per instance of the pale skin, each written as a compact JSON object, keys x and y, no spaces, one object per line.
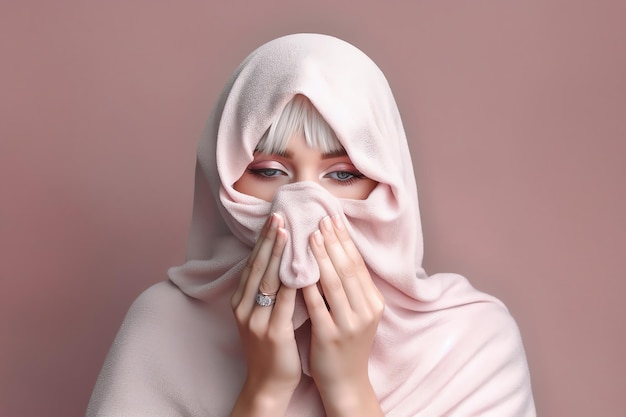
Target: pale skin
{"x":342,"y":333}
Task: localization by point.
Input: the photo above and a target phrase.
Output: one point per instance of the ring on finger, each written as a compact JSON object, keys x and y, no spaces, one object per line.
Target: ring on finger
{"x":265,"y":299}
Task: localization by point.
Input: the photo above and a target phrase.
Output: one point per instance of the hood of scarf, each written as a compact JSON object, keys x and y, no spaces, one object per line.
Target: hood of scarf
{"x":353,"y":96}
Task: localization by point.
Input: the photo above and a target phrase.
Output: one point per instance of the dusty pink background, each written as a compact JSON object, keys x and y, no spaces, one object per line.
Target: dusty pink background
{"x":516,"y":112}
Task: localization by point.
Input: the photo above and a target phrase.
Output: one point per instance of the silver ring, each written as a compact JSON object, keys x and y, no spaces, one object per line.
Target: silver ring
{"x":265,"y":300}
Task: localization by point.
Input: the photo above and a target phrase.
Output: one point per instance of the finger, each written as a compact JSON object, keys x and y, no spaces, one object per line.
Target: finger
{"x":258,"y":264}
{"x":283,"y":310}
{"x":262,"y":256}
{"x":348,"y":272}
{"x":270,"y":282}
{"x":353,"y":253}
{"x":237,"y":295}
{"x":262,"y":235}
{"x":371,"y":294}
{"x":329,"y":279}
{"x":370,"y":291}
{"x":316,"y":307}
{"x":346,"y":240}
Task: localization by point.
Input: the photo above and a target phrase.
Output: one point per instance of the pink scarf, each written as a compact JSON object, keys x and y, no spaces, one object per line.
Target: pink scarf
{"x":442,"y":348}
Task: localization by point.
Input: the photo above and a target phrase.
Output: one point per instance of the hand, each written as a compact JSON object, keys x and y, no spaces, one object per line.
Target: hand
{"x":342,"y":333}
{"x":267,"y":334}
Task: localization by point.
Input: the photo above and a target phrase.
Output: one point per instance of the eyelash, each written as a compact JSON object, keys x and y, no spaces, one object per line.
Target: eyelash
{"x":262,"y":173}
{"x":355,"y":176}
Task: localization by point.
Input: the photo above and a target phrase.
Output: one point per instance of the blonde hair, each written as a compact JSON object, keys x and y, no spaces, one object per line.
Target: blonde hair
{"x":299,"y":117}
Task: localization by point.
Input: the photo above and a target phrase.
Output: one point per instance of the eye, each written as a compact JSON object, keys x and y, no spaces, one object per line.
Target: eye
{"x":345,"y":177}
{"x":266,"y":172}
{"x":340,"y":175}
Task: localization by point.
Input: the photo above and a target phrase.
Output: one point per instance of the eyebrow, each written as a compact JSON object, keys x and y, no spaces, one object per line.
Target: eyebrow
{"x":334,"y":154}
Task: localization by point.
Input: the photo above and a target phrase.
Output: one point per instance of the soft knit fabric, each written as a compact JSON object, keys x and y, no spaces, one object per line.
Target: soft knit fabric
{"x":442,"y":348}
{"x":302,"y":205}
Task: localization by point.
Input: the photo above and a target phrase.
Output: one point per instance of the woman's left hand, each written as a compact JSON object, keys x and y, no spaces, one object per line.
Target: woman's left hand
{"x":343,"y":331}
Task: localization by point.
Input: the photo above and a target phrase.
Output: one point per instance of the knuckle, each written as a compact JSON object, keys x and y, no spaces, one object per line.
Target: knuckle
{"x":334,"y":284}
{"x":352,"y":330}
{"x":256,"y":327}
{"x":377,"y":311}
{"x":344,"y":237}
{"x":347,"y":270}
{"x":367,"y":316}
{"x":316,"y":303}
{"x":256,"y":332}
{"x":380,"y":300}
{"x":331,"y":337}
{"x":277,"y":251}
{"x":321,"y":254}
{"x":377,"y":303}
{"x":264,"y":287}
{"x":380,"y":308}
{"x":358,"y":262}
{"x":240,"y":316}
{"x":274,"y":336}
{"x":257,"y":267}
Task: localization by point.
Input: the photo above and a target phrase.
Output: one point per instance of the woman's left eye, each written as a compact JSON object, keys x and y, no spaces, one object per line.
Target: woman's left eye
{"x":344,"y":176}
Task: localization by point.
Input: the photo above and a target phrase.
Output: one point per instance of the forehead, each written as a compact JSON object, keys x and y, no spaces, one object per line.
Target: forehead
{"x":297,"y":147}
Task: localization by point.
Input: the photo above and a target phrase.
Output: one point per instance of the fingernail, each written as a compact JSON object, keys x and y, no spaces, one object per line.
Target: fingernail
{"x":338,"y":222}
{"x":326,"y":224}
{"x":317,"y":236}
{"x":274,"y":221}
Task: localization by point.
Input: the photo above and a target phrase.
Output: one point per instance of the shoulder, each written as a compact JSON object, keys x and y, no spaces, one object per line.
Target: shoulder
{"x":485,"y":328}
{"x":471,"y":312}
{"x":493,"y":317}
{"x":145,"y":355}
{"x":158,"y":296}
{"x":159,"y":304}
{"x":159,"y":319}
{"x":491,"y":359}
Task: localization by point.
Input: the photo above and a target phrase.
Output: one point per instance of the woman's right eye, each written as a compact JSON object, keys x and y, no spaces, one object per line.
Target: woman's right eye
{"x":266,"y":172}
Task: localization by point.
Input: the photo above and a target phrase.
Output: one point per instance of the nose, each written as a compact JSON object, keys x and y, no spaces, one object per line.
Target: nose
{"x":305,"y":174}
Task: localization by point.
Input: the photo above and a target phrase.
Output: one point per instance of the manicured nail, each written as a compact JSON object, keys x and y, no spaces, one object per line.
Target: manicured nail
{"x":326,"y":224}
{"x":274,"y":221}
{"x":338,"y":222}
{"x":317,"y":236}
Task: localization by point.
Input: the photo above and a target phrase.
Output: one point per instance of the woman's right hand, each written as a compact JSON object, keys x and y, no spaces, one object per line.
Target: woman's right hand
{"x":267,"y":333}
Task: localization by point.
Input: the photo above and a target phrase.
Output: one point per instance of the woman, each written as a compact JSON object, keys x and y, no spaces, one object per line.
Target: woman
{"x":306,"y":227}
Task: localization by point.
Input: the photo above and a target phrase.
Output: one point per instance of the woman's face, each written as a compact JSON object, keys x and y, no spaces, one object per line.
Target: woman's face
{"x":335,"y":172}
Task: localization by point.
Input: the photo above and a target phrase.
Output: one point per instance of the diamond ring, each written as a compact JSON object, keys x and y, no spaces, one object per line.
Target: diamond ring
{"x":265,"y":300}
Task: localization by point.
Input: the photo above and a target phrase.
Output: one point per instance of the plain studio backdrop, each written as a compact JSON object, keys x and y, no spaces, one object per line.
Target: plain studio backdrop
{"x":516,"y":116}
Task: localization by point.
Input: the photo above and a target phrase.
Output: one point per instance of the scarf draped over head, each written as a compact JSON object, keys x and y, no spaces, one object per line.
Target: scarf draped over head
{"x":354,"y":98}
{"x":442,"y":347}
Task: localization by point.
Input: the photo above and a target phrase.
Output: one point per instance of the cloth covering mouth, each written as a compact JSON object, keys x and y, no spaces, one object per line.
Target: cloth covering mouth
{"x":302,"y":206}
